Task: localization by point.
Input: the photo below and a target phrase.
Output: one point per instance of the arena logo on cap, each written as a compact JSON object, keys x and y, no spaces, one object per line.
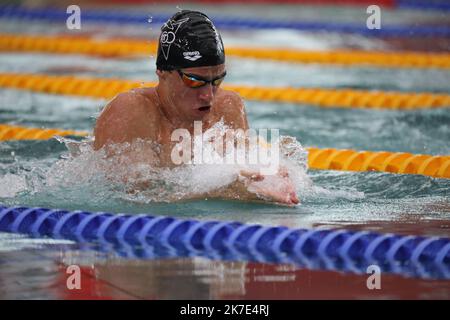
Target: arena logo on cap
{"x":169,"y":36}
{"x":192,"y":56}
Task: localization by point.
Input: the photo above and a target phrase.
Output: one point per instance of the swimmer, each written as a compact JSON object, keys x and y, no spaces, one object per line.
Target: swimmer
{"x":190,"y":68}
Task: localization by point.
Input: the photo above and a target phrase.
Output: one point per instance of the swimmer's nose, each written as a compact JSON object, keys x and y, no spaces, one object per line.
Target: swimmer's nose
{"x":206,"y":93}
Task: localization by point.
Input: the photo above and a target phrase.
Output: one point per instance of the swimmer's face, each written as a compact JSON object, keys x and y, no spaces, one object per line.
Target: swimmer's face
{"x":194,"y":103}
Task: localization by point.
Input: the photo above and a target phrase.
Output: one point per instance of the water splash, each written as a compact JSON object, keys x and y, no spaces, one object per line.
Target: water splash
{"x":15,"y":184}
{"x":145,"y":181}
{"x":131,"y":172}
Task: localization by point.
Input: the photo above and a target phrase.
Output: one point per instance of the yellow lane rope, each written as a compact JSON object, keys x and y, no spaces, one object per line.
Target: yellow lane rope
{"x":81,"y":45}
{"x":324,"y":159}
{"x":394,"y":162}
{"x":8,"y":132}
{"x":344,"y":98}
{"x":118,"y":48}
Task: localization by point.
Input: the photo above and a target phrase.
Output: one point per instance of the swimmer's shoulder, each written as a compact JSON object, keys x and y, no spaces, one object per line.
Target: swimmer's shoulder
{"x":230,"y":97}
{"x":138,"y":101}
{"x":129,"y":115}
{"x":231,"y":107}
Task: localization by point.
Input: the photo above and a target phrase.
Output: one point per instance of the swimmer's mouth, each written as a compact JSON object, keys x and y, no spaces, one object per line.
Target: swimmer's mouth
{"x":205,"y":108}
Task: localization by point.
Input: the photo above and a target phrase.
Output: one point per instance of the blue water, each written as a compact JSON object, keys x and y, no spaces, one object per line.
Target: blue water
{"x":407,"y":204}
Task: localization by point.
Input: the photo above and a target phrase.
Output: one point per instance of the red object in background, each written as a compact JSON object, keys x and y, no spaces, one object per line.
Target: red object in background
{"x":262,"y":282}
{"x":91,"y":287}
{"x":266,"y":281}
{"x":386,"y":3}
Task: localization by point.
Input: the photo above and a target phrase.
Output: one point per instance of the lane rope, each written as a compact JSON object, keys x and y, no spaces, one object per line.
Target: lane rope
{"x":321,"y":159}
{"x":148,"y":237}
{"x":328,"y":98}
{"x":134,"y":48}
{"x":59,"y":15}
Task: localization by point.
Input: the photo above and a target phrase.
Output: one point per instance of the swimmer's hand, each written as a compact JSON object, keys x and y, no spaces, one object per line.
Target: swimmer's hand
{"x":278,"y":188}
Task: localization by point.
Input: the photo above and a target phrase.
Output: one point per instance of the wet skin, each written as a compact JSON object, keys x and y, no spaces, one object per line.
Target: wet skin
{"x":154,"y":113}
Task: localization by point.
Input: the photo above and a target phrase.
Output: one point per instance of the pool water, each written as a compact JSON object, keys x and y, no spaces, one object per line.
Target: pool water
{"x":30,"y":173}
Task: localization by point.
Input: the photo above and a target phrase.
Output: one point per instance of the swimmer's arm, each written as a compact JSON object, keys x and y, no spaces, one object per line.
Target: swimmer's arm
{"x":278,"y":188}
{"x":252,"y":186}
{"x":234,"y":191}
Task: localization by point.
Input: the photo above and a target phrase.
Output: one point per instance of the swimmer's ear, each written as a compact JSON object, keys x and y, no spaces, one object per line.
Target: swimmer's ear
{"x":162,"y":74}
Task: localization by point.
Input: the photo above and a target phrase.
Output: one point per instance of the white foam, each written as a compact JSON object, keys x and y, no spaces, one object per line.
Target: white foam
{"x":84,"y":166}
{"x":11,"y":185}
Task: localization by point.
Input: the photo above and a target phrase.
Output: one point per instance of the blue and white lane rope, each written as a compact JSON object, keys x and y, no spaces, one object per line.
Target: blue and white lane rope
{"x":119,"y":16}
{"x":146,"y":236}
{"x":440,"y":5}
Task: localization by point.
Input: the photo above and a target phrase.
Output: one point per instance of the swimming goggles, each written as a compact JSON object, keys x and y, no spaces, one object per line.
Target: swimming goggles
{"x":193,"y":81}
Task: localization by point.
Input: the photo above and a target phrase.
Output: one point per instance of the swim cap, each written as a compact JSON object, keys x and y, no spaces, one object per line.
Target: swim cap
{"x":189,"y":39}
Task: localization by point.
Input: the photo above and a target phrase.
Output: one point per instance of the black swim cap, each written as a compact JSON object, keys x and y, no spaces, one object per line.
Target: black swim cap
{"x":189,"y":39}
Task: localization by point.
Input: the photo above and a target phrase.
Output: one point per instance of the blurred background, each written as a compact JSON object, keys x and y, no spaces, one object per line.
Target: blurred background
{"x":322,"y":45}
